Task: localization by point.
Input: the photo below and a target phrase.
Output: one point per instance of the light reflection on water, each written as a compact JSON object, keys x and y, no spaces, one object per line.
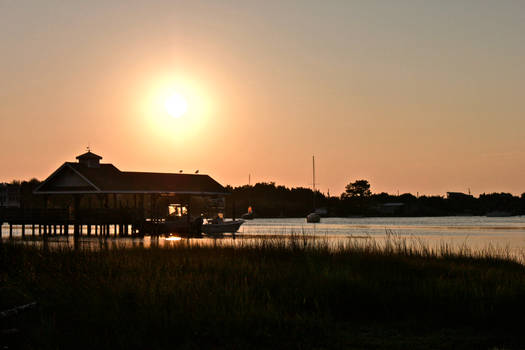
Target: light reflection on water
{"x":474,"y":232}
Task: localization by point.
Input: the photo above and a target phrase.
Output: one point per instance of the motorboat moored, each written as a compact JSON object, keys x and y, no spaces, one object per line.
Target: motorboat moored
{"x":218,"y":228}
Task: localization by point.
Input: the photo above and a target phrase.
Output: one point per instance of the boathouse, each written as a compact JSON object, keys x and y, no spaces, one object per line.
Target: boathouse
{"x":88,"y":193}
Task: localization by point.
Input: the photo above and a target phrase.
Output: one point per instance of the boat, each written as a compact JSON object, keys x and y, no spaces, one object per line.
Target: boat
{"x":313,"y":217}
{"x":218,"y":228}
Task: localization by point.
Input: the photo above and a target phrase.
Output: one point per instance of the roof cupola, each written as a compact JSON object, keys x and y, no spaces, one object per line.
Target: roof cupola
{"x":89,"y":159}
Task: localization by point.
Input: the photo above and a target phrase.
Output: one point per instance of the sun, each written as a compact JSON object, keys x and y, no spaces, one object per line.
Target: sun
{"x":176,"y":105}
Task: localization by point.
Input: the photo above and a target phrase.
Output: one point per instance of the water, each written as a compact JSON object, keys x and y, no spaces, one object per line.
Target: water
{"x":476,"y":232}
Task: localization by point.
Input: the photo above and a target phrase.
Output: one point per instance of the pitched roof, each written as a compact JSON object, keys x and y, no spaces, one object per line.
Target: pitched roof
{"x":108,"y":179}
{"x":172,"y":182}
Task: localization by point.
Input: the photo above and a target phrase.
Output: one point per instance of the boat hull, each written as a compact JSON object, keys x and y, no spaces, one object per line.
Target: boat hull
{"x":223,"y":227}
{"x":313,"y":218}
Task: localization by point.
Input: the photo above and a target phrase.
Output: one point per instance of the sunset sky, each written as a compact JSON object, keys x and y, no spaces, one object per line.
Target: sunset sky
{"x":415,"y":96}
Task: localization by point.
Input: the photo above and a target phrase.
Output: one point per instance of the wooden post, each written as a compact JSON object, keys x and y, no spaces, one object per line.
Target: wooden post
{"x":54,"y":230}
{"x":66,"y":229}
{"x":142,"y":198}
{"x":23,"y":230}
{"x":43,"y":229}
{"x":76,"y":207}
{"x":33,"y":229}
{"x":89,"y":230}
{"x":152,"y":206}
{"x":10,"y":230}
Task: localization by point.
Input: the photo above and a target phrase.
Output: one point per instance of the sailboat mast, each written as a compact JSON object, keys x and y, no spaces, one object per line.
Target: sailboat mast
{"x":313,"y":171}
{"x":313,"y":179}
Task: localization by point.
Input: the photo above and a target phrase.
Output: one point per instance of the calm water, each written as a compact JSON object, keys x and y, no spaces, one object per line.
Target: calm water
{"x":473,"y":231}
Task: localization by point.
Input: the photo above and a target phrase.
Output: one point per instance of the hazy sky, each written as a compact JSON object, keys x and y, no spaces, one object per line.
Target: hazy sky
{"x":415,"y":96}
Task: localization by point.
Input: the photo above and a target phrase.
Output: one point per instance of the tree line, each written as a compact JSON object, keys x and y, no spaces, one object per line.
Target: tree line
{"x":270,"y":200}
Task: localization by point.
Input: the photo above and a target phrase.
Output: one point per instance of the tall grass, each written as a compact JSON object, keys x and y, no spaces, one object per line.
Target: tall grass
{"x":294,"y":292}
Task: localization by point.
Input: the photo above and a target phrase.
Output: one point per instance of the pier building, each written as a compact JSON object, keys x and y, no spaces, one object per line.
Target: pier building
{"x":91,"y":196}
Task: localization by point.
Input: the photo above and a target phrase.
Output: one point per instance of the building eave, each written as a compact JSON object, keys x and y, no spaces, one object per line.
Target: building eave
{"x":137,"y":192}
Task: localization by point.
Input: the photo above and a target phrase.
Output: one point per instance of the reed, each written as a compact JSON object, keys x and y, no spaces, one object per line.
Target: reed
{"x":299,"y":291}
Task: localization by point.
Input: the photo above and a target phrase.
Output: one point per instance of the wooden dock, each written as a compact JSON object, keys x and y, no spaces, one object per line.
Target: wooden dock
{"x":93,"y":222}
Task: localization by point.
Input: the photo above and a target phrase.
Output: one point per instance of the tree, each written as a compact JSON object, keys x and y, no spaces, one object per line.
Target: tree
{"x":359,"y":188}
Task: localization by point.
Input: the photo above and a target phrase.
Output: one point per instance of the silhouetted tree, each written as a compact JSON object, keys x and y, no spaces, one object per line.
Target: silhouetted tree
{"x":359,"y":188}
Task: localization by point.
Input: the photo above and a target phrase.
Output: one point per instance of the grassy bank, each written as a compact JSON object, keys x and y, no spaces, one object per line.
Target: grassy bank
{"x":267,"y":293}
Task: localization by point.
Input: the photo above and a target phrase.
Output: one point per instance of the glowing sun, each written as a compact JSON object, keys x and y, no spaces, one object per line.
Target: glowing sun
{"x":176,"y":105}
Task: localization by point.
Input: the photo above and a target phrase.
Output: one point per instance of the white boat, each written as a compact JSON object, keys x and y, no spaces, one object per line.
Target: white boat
{"x":222,"y":227}
{"x":313,"y":217}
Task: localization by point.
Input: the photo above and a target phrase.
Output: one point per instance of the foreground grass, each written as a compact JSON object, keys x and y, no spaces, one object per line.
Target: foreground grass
{"x":267,"y":293}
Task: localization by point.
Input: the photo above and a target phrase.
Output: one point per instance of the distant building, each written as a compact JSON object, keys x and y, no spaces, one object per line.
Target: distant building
{"x":391,"y":208}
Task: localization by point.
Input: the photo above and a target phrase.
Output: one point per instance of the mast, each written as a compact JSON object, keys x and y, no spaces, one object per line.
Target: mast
{"x":250,"y":193}
{"x":313,"y":179}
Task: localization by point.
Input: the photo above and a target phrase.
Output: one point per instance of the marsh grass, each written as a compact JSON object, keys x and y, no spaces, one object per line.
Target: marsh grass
{"x":298,"y":291}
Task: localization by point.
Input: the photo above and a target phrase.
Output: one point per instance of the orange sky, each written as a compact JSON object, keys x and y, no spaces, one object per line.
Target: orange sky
{"x":413,"y":96}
